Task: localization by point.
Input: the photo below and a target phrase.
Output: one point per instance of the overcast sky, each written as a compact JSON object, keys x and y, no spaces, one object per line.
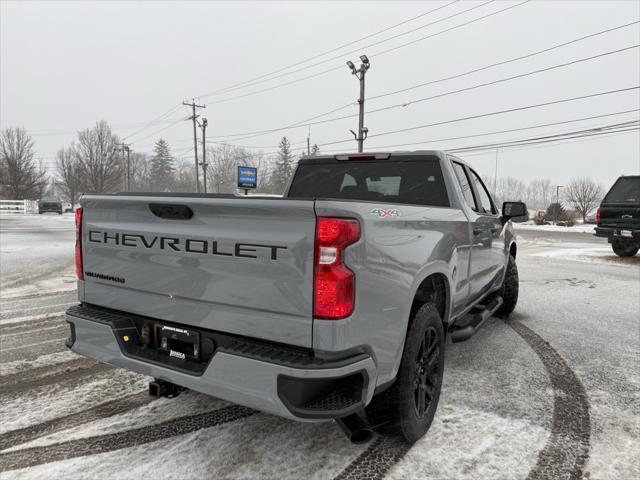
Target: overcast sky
{"x":65,"y":65}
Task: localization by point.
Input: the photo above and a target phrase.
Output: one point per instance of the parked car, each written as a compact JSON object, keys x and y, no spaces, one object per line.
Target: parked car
{"x":67,"y":207}
{"x":592,"y":218}
{"x":618,"y":217}
{"x":334,"y":302}
{"x":50,"y":204}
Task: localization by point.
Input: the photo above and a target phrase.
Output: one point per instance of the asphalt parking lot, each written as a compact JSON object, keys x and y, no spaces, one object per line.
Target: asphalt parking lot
{"x":550,"y":393}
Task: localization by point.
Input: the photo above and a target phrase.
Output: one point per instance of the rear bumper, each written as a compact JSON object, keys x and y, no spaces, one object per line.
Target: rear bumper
{"x":610,"y":232}
{"x":291,"y":388}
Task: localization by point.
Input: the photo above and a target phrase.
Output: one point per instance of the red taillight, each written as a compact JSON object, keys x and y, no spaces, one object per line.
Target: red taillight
{"x":79,"y":269}
{"x":333,"y":283}
{"x":598,"y":215}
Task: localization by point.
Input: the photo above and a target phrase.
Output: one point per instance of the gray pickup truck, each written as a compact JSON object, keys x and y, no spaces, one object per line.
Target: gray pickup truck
{"x":334,"y":302}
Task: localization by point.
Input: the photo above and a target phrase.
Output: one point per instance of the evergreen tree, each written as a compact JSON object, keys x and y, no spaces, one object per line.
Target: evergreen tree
{"x":162,"y":174}
{"x":283,"y":168}
{"x":556,"y":213}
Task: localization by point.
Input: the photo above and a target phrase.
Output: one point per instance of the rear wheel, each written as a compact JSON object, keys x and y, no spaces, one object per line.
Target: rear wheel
{"x":411,"y":402}
{"x":625,"y":247}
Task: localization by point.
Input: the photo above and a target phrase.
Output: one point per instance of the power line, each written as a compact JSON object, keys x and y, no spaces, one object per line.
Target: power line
{"x":522,"y":57}
{"x":359,"y":49}
{"x":600,"y":130}
{"x":371,"y":56}
{"x":340,"y":47}
{"x":41,"y":133}
{"x":562,"y":141}
{"x":490,"y":114}
{"x":506,"y":79}
{"x":166,"y":114}
{"x":511,"y":130}
{"x":177,"y":121}
{"x":440,"y":95}
{"x":624,"y":127}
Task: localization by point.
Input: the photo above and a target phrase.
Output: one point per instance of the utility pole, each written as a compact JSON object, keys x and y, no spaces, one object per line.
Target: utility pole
{"x":122,"y":148}
{"x":128,"y":150}
{"x":195,"y":137}
{"x":558,"y":187}
{"x":495,"y":175}
{"x":359,"y":73}
{"x":204,"y":154}
{"x":309,"y":141}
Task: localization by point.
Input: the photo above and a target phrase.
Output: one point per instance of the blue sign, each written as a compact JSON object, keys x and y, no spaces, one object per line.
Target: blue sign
{"x":247,"y":177}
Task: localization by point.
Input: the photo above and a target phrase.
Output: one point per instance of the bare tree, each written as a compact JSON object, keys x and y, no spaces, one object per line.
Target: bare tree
{"x":68,"y":176}
{"x":583,"y":194}
{"x":507,"y":189}
{"x":99,"y":161}
{"x":540,"y":193}
{"x":20,"y":176}
{"x":185,"y":177}
{"x":140,"y":172}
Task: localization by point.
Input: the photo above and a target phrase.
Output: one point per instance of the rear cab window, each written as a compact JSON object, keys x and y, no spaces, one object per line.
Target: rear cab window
{"x":403,"y":179}
{"x":625,"y":190}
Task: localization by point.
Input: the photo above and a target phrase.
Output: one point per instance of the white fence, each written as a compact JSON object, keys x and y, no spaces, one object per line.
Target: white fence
{"x":18,"y":206}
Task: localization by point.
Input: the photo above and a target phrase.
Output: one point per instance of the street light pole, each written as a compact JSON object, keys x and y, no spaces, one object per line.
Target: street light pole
{"x":360,"y":73}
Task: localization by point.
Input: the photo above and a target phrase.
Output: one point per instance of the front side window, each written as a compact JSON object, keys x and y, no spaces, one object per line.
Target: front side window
{"x":485,"y":198}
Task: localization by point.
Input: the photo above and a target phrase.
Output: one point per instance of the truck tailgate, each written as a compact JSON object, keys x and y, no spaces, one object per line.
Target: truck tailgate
{"x":242,"y":266}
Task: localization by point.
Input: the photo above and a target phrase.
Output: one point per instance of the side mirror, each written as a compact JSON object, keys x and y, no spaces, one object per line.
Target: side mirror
{"x":513,"y":209}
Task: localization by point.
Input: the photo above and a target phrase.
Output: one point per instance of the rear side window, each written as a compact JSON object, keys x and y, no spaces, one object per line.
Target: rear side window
{"x":410,"y":181}
{"x":465,"y":185}
{"x":625,"y":190}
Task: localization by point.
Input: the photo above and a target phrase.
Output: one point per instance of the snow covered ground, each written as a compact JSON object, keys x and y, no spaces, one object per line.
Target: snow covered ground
{"x":552,"y":393}
{"x":577,"y":228}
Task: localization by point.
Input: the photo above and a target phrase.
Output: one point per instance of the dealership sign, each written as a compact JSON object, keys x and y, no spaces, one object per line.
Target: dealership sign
{"x":247,"y":177}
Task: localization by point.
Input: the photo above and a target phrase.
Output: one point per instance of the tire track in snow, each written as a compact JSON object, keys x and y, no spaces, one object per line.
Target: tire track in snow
{"x":8,"y":300}
{"x":63,"y":373}
{"x":29,"y":325}
{"x":104,"y":410}
{"x":567,"y":450}
{"x":383,"y":453}
{"x":29,"y":457}
{"x":30,"y":279}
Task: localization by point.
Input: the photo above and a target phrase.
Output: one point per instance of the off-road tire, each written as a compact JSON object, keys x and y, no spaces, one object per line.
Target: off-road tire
{"x":397,"y":406}
{"x":624,"y":247}
{"x":509,"y":289}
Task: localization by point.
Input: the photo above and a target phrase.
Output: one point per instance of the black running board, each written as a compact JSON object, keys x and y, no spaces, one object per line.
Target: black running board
{"x":473,"y":320}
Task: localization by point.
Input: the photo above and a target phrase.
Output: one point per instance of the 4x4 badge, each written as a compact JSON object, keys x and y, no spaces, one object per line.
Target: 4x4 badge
{"x":385,"y":212}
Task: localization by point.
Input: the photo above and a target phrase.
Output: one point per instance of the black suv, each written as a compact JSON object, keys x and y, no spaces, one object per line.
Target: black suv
{"x":50,"y":204}
{"x":618,"y":217}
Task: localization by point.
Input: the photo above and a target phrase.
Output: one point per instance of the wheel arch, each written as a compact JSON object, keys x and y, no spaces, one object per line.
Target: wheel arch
{"x":434,"y":288}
